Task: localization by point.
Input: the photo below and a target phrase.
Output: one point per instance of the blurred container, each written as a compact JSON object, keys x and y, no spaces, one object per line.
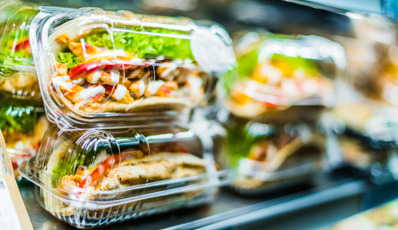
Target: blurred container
{"x":365,"y":115}
{"x":23,"y":125}
{"x":371,"y":54}
{"x":277,"y":73}
{"x":371,"y":121}
{"x":266,"y":157}
{"x":366,"y":137}
{"x":99,"y":67}
{"x":17,"y":71}
{"x":92,"y":178}
{"x":382,"y":217}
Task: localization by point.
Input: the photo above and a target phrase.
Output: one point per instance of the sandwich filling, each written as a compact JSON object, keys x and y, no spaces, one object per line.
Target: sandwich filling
{"x":276,"y":83}
{"x":98,"y":72}
{"x":121,"y":170}
{"x":23,"y":131}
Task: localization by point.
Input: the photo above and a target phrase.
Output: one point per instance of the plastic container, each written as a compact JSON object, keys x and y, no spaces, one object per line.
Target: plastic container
{"x":92,"y":178}
{"x":364,"y":133}
{"x":23,"y":125}
{"x":359,"y":154}
{"x":269,"y":157}
{"x":374,"y":123}
{"x":280,"y":73}
{"x":104,"y":67}
{"x":371,"y":54}
{"x":17,"y":71}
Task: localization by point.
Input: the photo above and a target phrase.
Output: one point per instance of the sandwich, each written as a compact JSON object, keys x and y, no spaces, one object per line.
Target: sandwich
{"x":265,"y":155}
{"x":17,"y":72}
{"x":368,"y":137}
{"x":91,"y":172}
{"x":23,"y":128}
{"x":125,"y":67}
{"x":374,"y":123}
{"x":270,"y":82}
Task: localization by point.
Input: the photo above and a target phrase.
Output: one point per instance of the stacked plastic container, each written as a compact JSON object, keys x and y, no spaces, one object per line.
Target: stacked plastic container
{"x":121,"y":89}
{"x":273,"y":106}
{"x":22,"y":114}
{"x":365,"y":115}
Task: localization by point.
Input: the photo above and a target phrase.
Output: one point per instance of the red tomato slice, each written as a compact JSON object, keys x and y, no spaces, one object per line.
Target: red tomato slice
{"x":14,"y":165}
{"x":84,"y":68}
{"x":22,"y":45}
{"x":269,"y":104}
{"x":108,"y":163}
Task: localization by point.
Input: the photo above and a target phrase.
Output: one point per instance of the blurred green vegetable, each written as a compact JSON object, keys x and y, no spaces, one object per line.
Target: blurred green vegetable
{"x":242,"y":136}
{"x":69,"y":58}
{"x":15,"y":118}
{"x":144,"y":45}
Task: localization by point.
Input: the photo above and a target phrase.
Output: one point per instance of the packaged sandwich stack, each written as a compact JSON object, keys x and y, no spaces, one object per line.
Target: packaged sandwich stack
{"x":273,"y":106}
{"x":366,"y":113}
{"x":21,"y":110}
{"x":120,"y":89}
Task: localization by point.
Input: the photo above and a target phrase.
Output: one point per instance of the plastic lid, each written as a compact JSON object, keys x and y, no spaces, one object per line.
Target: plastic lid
{"x":282,"y":72}
{"x":99,"y":64}
{"x":17,"y":72}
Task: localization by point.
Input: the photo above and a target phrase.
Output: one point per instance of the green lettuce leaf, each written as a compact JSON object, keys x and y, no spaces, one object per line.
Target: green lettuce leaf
{"x":308,"y":65}
{"x":144,"y":45}
{"x":240,"y":140}
{"x":69,"y":58}
{"x":17,"y":118}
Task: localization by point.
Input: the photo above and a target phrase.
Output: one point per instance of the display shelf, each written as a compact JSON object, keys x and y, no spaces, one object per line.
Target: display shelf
{"x":228,"y":210}
{"x":387,"y":8}
{"x":365,"y":6}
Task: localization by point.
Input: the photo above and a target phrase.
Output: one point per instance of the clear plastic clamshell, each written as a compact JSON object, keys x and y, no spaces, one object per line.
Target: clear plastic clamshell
{"x":281,"y":72}
{"x":91,"y":178}
{"x":374,"y":123}
{"x":97,"y":65}
{"x":23,"y":125}
{"x":17,"y":71}
{"x":368,"y":138}
{"x":265,"y":157}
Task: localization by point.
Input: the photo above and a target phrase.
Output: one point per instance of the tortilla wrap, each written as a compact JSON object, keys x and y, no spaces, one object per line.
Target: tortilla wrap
{"x":155,"y":167}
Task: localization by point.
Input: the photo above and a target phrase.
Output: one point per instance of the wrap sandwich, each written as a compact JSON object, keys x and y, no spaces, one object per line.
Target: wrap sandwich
{"x":266,"y":156}
{"x":17,"y":71}
{"x":89,"y":169}
{"x":368,"y":137}
{"x":23,"y":127}
{"x":131,"y":65}
{"x":270,"y":80}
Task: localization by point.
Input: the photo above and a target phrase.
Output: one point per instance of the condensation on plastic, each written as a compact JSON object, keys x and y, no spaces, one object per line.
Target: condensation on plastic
{"x":277,"y":72}
{"x":23,"y":125}
{"x":118,"y":86}
{"x":17,"y":71}
{"x":158,"y":170}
